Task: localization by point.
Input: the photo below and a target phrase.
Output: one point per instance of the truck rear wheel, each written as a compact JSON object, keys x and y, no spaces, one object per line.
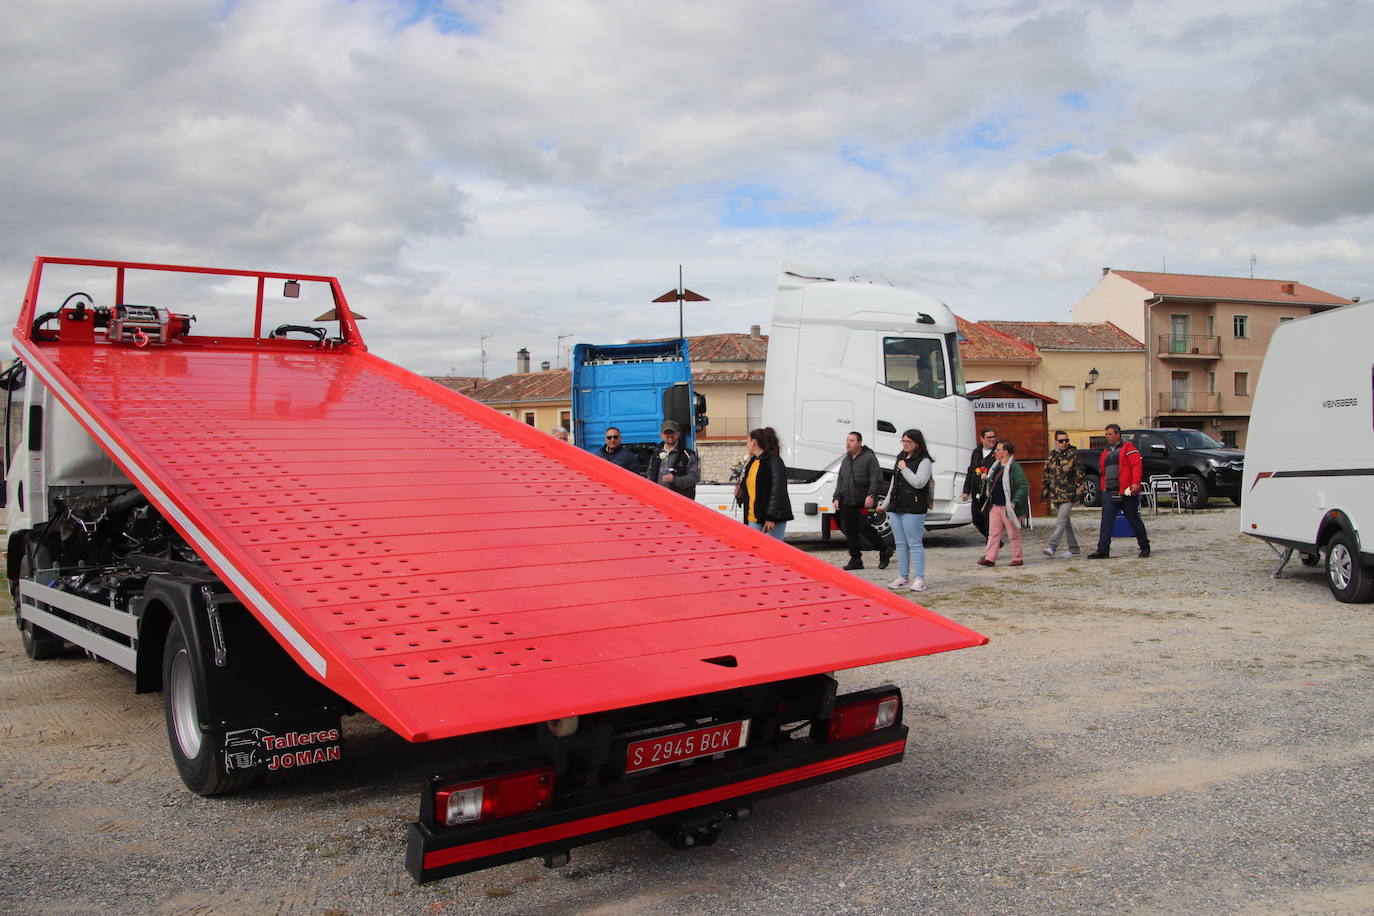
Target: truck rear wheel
{"x":1350,"y":580}
{"x":195,"y":748}
{"x":39,"y":644}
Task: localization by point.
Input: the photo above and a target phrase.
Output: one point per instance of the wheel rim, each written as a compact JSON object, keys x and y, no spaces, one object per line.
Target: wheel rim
{"x":183,"y":699}
{"x":1340,"y":563}
{"x":1187,"y":491}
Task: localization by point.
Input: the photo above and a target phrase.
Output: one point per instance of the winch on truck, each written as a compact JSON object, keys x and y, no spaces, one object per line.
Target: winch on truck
{"x":276,"y":528}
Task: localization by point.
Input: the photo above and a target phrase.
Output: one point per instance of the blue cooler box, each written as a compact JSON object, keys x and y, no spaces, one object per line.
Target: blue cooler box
{"x":1121,"y":527}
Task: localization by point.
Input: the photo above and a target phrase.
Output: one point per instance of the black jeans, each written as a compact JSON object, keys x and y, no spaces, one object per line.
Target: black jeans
{"x":856,"y":527}
{"x":1129,"y":505}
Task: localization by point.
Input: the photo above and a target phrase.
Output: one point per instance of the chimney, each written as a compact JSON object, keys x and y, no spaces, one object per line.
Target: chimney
{"x":544,"y":366}
{"x":1289,"y":288}
{"x":755,"y":332}
{"x":522,"y":361}
{"x":1106,"y":270}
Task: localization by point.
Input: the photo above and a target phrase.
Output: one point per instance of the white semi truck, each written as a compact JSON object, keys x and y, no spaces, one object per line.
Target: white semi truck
{"x":844,"y":356}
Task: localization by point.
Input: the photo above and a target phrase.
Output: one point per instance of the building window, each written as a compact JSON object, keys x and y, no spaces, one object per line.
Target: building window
{"x":1243,"y":384}
{"x":565,"y":419}
{"x":1109,"y":399}
{"x":1211,"y":383}
{"x":1211,"y":325}
{"x":1240,"y":325}
{"x":1229,"y":438}
{"x":529,"y":418}
{"x":1068,"y":398}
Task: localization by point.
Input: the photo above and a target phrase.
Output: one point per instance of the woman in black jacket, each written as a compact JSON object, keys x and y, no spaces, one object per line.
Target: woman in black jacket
{"x":763,"y":489}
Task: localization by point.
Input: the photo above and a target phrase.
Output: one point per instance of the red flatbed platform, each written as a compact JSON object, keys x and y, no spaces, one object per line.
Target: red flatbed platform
{"x":443,"y":567}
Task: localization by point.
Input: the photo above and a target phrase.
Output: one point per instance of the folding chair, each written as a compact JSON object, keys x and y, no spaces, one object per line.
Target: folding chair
{"x":1161,"y":484}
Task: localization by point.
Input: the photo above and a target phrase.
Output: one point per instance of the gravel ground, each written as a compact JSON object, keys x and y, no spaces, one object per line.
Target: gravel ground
{"x":1177,"y":734}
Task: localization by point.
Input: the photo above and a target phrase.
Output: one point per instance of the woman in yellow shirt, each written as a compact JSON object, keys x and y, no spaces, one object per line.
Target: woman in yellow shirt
{"x":763,"y":489}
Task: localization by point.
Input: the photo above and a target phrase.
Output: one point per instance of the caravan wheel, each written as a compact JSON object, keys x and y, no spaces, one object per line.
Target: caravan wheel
{"x":1350,"y":581}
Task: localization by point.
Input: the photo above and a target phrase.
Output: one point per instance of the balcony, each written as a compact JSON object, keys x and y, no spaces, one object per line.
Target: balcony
{"x":1188,"y":346}
{"x":1189,"y":402}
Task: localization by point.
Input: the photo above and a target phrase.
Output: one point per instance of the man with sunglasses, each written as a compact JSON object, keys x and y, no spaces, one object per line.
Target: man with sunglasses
{"x":1061,"y":488}
{"x":978,"y":467}
{"x":617,"y":453}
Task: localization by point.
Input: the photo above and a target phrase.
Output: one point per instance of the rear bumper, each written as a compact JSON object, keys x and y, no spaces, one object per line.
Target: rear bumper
{"x":684,"y":794}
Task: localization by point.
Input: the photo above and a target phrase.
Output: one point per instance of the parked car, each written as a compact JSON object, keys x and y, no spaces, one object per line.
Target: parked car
{"x":1202,"y":466}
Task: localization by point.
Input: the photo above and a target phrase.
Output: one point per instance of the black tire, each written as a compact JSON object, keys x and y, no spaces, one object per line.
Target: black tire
{"x":1192,"y":492}
{"x":1311,"y":559}
{"x":194,"y":747}
{"x":1092,"y":494}
{"x":39,"y":644}
{"x":1350,"y":580}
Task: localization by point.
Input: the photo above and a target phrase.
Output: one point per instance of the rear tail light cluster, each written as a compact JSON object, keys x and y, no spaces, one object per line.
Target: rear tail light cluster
{"x":863,"y":715}
{"x":493,"y":797}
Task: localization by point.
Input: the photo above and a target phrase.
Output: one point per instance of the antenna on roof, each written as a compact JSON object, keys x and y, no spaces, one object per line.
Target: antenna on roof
{"x":1253,"y":259}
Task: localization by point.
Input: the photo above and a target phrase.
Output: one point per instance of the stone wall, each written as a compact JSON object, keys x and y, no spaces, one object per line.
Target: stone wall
{"x":718,"y":458}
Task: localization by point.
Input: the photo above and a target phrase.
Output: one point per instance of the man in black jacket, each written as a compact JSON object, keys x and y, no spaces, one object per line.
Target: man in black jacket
{"x":675,"y":465}
{"x":859,"y":487}
{"x":617,"y":453}
{"x":978,"y":465}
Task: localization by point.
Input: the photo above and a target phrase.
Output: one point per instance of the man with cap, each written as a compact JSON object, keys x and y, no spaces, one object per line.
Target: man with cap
{"x":675,"y":465}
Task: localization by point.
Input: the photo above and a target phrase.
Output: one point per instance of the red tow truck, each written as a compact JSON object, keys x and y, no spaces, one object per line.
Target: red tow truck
{"x":276,"y":528}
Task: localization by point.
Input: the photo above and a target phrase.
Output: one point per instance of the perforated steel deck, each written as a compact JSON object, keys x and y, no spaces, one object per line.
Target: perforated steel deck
{"x":448,"y":569}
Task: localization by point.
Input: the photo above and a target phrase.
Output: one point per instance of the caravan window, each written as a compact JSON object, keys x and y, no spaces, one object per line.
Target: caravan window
{"x":915,"y":364}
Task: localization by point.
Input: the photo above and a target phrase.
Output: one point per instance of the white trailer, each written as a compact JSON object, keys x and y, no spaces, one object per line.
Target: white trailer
{"x":859,"y":356}
{"x":1309,"y":465}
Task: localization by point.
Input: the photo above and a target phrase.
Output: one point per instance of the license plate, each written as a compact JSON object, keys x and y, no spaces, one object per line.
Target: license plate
{"x":688,"y":745}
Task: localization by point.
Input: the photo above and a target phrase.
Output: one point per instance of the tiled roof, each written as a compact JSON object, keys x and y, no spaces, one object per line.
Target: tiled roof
{"x":721,"y":348}
{"x":982,"y":342}
{"x":464,"y":383}
{"x":1068,"y":335}
{"x":727,"y":375}
{"x":1244,"y":289}
{"x":551,"y":385}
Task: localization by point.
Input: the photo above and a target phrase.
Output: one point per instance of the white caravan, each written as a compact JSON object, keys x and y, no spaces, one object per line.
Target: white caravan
{"x":1309,"y":455}
{"x":858,"y":356}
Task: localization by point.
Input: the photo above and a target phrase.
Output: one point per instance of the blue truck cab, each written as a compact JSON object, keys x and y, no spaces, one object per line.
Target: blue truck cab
{"x":634,"y":387}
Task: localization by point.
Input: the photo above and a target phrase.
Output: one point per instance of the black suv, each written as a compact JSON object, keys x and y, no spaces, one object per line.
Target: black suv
{"x":1201,"y":464}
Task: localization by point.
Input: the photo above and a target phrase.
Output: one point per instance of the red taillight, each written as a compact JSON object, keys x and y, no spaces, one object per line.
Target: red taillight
{"x":862,"y":716}
{"x":493,"y":797}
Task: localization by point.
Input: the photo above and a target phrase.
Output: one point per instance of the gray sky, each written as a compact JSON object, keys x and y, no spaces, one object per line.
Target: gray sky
{"x":533,"y":168}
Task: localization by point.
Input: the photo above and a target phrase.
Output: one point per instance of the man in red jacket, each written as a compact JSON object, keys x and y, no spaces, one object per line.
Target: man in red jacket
{"x":1121,"y":475}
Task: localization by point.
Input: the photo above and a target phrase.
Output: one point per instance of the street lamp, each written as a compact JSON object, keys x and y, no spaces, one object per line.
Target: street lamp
{"x":1092,"y":379}
{"x":679,"y":296}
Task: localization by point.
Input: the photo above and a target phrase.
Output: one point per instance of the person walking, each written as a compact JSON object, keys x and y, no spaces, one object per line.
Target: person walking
{"x":975,"y":481}
{"x":858,"y":487}
{"x":1008,"y":504}
{"x":763,"y":486}
{"x":1121,"y":471}
{"x":906,"y":504}
{"x":1062,"y":486}
{"x":617,"y":453}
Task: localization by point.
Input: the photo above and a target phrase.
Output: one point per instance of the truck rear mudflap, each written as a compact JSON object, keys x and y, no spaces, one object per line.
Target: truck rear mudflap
{"x":481,"y":818}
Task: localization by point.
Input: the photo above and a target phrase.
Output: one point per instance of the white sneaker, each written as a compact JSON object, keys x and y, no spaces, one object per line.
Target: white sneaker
{"x":899,"y":582}
{"x":1067,"y":555}
{"x":918,"y":584}
{"x":1049,"y":552}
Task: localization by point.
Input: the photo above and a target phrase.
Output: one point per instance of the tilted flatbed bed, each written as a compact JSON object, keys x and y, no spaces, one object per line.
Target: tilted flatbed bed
{"x":434,"y":563}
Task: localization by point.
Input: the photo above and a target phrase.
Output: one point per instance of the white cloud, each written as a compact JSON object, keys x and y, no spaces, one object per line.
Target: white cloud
{"x":544,"y":168}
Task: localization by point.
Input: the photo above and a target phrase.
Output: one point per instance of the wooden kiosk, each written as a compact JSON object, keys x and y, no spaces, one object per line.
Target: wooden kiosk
{"x":1021,"y":415}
